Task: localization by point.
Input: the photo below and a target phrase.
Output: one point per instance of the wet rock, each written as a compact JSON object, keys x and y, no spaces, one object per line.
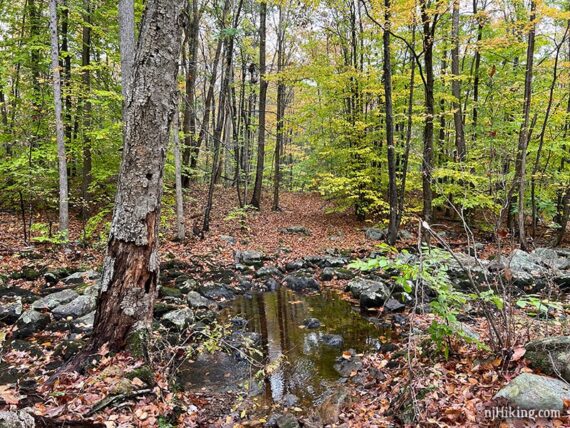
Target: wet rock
{"x":55,"y":299}
{"x":358,"y":285}
{"x":267,"y":271}
{"x":271,"y":284}
{"x":84,"y":324}
{"x":374,"y":296}
{"x":311,"y":323}
{"x":326,"y":261}
{"x":392,"y":305}
{"x":169,"y":292}
{"x":78,"y":307}
{"x":229,"y":239}
{"x":335,"y":340}
{"x":295,"y":265}
{"x":298,"y":230}
{"x":301,"y":281}
{"x":531,"y":391}
{"x":327,"y":274}
{"x":346,"y":367}
{"x":30,"y":322}
{"x":17,"y":419}
{"x":11,"y":311}
{"x":196,"y":300}
{"x":249,"y":258}
{"x":242,"y":339}
{"x":550,"y":355}
{"x":178,"y":319}
{"x":375,"y":234}
{"x":216,"y":291}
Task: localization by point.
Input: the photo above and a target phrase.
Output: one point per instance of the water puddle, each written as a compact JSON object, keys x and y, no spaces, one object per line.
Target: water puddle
{"x":302,"y":359}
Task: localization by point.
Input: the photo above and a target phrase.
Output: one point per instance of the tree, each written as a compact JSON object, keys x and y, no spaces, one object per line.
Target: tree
{"x":279,"y":138}
{"x":256,"y":196}
{"x":127,"y":43}
{"x":456,"y":86}
{"x":392,"y":185}
{"x":59,"y":131}
{"x":130,"y":270}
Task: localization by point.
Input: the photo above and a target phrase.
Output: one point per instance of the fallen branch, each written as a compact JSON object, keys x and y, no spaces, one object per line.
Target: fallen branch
{"x":114,"y":399}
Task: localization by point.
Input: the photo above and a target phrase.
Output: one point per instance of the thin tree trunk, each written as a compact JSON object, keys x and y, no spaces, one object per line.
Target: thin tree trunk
{"x":280,"y":111}
{"x":256,"y":197}
{"x":456,"y":86}
{"x":477,"y":67}
{"x":180,"y":232}
{"x":85,"y":63}
{"x":392,"y":186}
{"x":131,"y":267}
{"x":63,"y":192}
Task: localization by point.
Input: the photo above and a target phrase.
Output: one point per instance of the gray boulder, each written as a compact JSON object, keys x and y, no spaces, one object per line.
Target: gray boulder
{"x":178,"y":319}
{"x":295,"y":265}
{"x":459,"y":274}
{"x":550,"y":355}
{"x":525,"y":268}
{"x":30,"y":322}
{"x":267,"y":271}
{"x":216,"y":291}
{"x":11,"y":311}
{"x":370,"y":293}
{"x":553,"y":258}
{"x":17,"y":419}
{"x":249,"y":258}
{"x":55,"y":299}
{"x":311,"y":323}
{"x":78,"y":307}
{"x":84,"y":324}
{"x":196,"y":300}
{"x":326,"y":261}
{"x":375,"y":234}
{"x":334,"y":340}
{"x":327,"y":274}
{"x":531,"y":391}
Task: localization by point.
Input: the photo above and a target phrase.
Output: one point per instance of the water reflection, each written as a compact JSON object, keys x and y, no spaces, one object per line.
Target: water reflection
{"x":300,"y":362}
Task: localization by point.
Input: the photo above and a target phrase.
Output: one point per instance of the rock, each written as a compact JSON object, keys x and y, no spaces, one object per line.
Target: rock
{"x":68,"y":348}
{"x":267,"y":271}
{"x":271,"y":284}
{"x":17,"y":419}
{"x":301,"y":281}
{"x":346,"y":367}
{"x":160,"y":308}
{"x":195,"y":300}
{"x":169,"y":292}
{"x":327,"y":274}
{"x":525,"y":268}
{"x":78,"y":307}
{"x":469,"y":332}
{"x":552,"y":258}
{"x":216,"y":291}
{"x":92,"y":290}
{"x":295,"y":265}
{"x":84,"y":324}
{"x":51,"y":278}
{"x":10,"y":312}
{"x":178,"y":319}
{"x":326,"y":261}
{"x":122,"y":386}
{"x":229,"y":239}
{"x":238,"y":322}
{"x":311,"y":323}
{"x":335,"y":340}
{"x":298,"y":230}
{"x":55,"y":299}
{"x":30,"y":322}
{"x":289,"y":400}
{"x":343,"y":273}
{"x":249,"y":258}
{"x":375,"y":234}
{"x":404,"y":235}
{"x":531,"y":391}
{"x":550,"y":355}
{"x":75,"y":278}
{"x":287,"y":421}
{"x":460,"y":277}
{"x":187,"y":285}
{"x":333,"y":405}
{"x":392,"y":305}
{"x":371,"y":293}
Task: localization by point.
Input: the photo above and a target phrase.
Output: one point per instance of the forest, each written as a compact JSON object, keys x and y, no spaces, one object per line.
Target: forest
{"x":284,"y":213}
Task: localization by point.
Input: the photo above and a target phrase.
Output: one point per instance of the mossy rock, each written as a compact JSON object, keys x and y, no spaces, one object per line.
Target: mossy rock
{"x":27,"y":273}
{"x":169,"y":292}
{"x":123,"y":386}
{"x":162,"y":308}
{"x":144,"y":373}
{"x":137,"y":341}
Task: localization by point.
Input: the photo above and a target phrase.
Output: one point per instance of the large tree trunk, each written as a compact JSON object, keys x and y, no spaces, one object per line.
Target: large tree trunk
{"x":280,"y":110}
{"x":256,"y":197}
{"x":126,"y":43}
{"x":130,"y":271}
{"x":392,"y":186}
{"x":456,"y":86}
{"x":63,"y":193}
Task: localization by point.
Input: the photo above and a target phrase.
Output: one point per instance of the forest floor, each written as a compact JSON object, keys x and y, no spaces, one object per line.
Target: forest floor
{"x":385,"y":388}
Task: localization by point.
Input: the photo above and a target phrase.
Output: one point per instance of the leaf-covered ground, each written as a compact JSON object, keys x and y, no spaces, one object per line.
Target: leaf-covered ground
{"x":406,"y":378}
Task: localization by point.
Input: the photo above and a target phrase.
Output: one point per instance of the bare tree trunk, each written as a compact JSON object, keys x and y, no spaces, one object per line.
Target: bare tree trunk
{"x":477,"y":67}
{"x":525,"y":129}
{"x":131,"y":267}
{"x":63,"y":192}
{"x":256,"y":197}
{"x":456,"y":86}
{"x":392,"y":186}
{"x":280,"y":111}
{"x":180,"y":232}
{"x":85,"y":63}
{"x":126,"y":43}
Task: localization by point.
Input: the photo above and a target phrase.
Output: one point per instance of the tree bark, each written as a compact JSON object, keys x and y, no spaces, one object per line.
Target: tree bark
{"x":392,"y":186}
{"x":86,"y":75}
{"x":280,"y":111}
{"x":180,"y":231}
{"x":62,"y":160}
{"x":126,"y":43}
{"x":456,"y":86}
{"x":131,"y":266}
{"x":256,"y":197}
